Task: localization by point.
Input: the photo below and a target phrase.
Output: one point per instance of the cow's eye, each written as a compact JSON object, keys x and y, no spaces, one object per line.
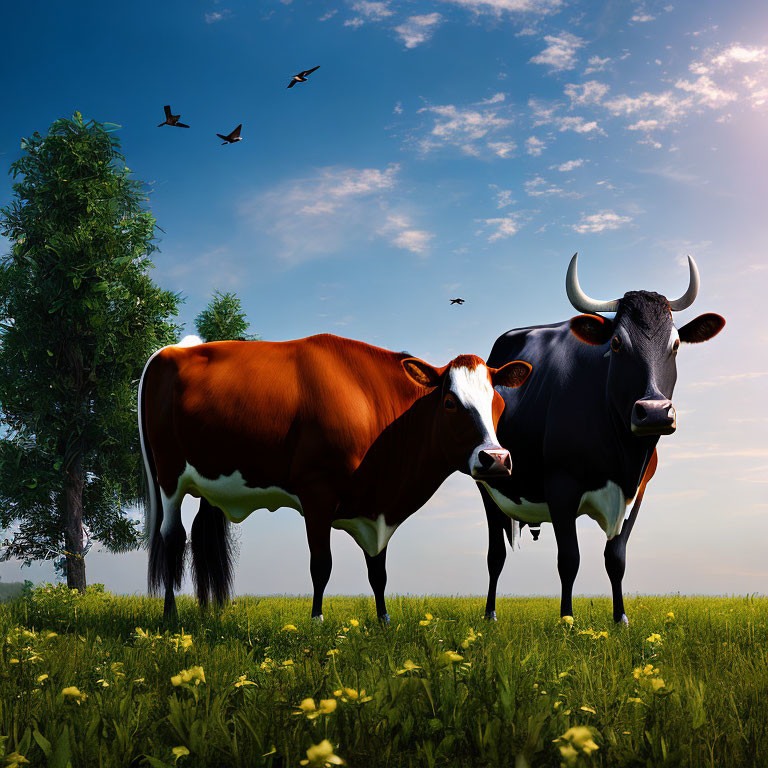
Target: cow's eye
{"x":676,"y":345}
{"x":615,"y":343}
{"x":450,"y":403}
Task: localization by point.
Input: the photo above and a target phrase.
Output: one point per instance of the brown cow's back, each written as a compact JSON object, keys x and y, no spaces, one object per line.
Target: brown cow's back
{"x":283,"y":414}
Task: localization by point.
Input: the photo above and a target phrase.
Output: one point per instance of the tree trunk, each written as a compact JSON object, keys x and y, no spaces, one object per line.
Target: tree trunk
{"x":73,"y":525}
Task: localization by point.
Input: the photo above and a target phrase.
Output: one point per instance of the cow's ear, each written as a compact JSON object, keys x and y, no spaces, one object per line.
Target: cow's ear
{"x":512,"y":374}
{"x":420,"y":372}
{"x":701,"y":328}
{"x":591,"y":329}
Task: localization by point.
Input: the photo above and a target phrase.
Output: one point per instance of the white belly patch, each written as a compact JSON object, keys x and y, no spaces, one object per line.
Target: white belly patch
{"x":230,"y":494}
{"x":371,"y":535}
{"x":607,"y":506}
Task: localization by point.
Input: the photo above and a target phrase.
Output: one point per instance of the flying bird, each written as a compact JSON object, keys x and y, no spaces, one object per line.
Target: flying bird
{"x":457,"y":301}
{"x":171,"y":119}
{"x":232,"y":137}
{"x":302,"y":76}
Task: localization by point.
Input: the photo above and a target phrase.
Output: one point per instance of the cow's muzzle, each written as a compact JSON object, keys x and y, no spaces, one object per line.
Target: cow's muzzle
{"x":492,"y":462}
{"x":653,"y":417}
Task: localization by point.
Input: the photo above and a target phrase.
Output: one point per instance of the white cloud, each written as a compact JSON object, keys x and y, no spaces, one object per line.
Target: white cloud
{"x":598,"y":222}
{"x":505,"y":227}
{"x":414,"y":240}
{"x":596,"y":64}
{"x":469,"y":129}
{"x":398,"y":110}
{"x":577,"y":124}
{"x":328,"y":15}
{"x":642,"y":17}
{"x":495,"y":99}
{"x":709,"y":94}
{"x":322,"y":213}
{"x":534,"y":146}
{"x":372,"y":11}
{"x":502,"y":149}
{"x":511,"y":6}
{"x":540,"y":187}
{"x":398,"y":230}
{"x":728,"y":57}
{"x":560,"y":53}
{"x":417,"y":29}
{"x":644,"y":125}
{"x":212,"y":18}
{"x":568,"y":165}
{"x":503,"y":197}
{"x":546,"y":114}
{"x":665,"y":107}
{"x":591,"y":92}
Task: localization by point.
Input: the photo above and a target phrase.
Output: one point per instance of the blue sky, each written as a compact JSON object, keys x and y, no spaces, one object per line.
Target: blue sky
{"x":457,"y":147}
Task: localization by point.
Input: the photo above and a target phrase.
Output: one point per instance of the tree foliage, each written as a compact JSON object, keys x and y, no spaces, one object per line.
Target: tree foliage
{"x":79,"y":316}
{"x":223,"y":320}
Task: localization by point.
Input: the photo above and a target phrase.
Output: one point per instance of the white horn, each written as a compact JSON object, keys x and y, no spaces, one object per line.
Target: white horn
{"x":689,"y":296}
{"x":579,"y":299}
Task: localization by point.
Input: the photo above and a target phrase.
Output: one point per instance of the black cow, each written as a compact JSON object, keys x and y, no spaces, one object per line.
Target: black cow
{"x":582,"y":433}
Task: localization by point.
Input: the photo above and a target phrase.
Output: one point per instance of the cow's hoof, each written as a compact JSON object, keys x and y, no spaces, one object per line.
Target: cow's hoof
{"x":623,"y":620}
{"x":384,"y":618}
{"x":490,"y":616}
{"x":318,"y":618}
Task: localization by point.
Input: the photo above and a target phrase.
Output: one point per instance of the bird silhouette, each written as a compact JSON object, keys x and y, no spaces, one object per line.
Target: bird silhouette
{"x":232,"y":137}
{"x":171,"y":119}
{"x":457,"y":301}
{"x":302,"y":76}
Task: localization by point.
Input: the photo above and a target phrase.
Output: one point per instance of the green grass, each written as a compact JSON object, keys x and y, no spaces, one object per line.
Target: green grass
{"x":518,"y":687}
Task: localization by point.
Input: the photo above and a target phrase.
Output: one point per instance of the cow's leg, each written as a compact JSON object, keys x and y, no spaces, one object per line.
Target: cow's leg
{"x":320,"y":562}
{"x":497,"y":549}
{"x":174,"y":539}
{"x":377,"y":577}
{"x":563,"y":505}
{"x":615,"y":562}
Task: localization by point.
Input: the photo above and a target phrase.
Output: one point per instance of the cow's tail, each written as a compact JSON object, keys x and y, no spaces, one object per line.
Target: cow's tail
{"x":212,"y":554}
{"x":153,"y":512}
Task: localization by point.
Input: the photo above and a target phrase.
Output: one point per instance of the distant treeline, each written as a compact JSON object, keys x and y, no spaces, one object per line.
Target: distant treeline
{"x":10,"y":589}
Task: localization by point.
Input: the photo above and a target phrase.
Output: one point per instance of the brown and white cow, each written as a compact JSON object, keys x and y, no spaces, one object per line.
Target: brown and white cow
{"x":352,"y":436}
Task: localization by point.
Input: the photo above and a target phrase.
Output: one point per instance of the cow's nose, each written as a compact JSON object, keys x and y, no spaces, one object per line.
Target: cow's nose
{"x":494,"y":462}
{"x":653,"y":417}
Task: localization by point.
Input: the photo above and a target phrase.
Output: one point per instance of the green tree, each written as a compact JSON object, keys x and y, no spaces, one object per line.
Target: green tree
{"x":223,"y":320}
{"x":79,"y":316}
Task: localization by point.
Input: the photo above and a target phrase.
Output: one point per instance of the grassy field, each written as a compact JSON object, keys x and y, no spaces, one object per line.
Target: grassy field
{"x":95,"y":680}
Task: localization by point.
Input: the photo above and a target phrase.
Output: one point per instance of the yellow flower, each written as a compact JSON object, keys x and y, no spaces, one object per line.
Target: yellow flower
{"x":14,"y":760}
{"x":332,"y":652}
{"x":471,"y":638}
{"x":588,"y":709}
{"x":354,"y":622}
{"x":567,"y":620}
{"x":179,"y":752}
{"x":288,"y":663}
{"x":425,"y":621}
{"x":322,"y":755}
{"x":74,"y":693}
{"x":192,"y":675}
{"x":241,"y":681}
{"x":408,"y":666}
{"x":289,"y":628}
{"x":671,"y":615}
{"x":40,"y":678}
{"x":635,"y":700}
{"x":307,"y":706}
{"x":104,"y":683}
{"x":657,"y":683}
{"x":451,"y":657}
{"x":578,"y":741}
{"x":654,"y":638}
{"x":327,"y":706}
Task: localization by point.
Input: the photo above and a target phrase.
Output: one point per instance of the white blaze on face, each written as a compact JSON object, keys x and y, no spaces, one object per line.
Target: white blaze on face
{"x":474,"y":391}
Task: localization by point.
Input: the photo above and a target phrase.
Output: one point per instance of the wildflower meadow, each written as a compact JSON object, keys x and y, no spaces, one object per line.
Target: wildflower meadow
{"x":95,"y":679}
